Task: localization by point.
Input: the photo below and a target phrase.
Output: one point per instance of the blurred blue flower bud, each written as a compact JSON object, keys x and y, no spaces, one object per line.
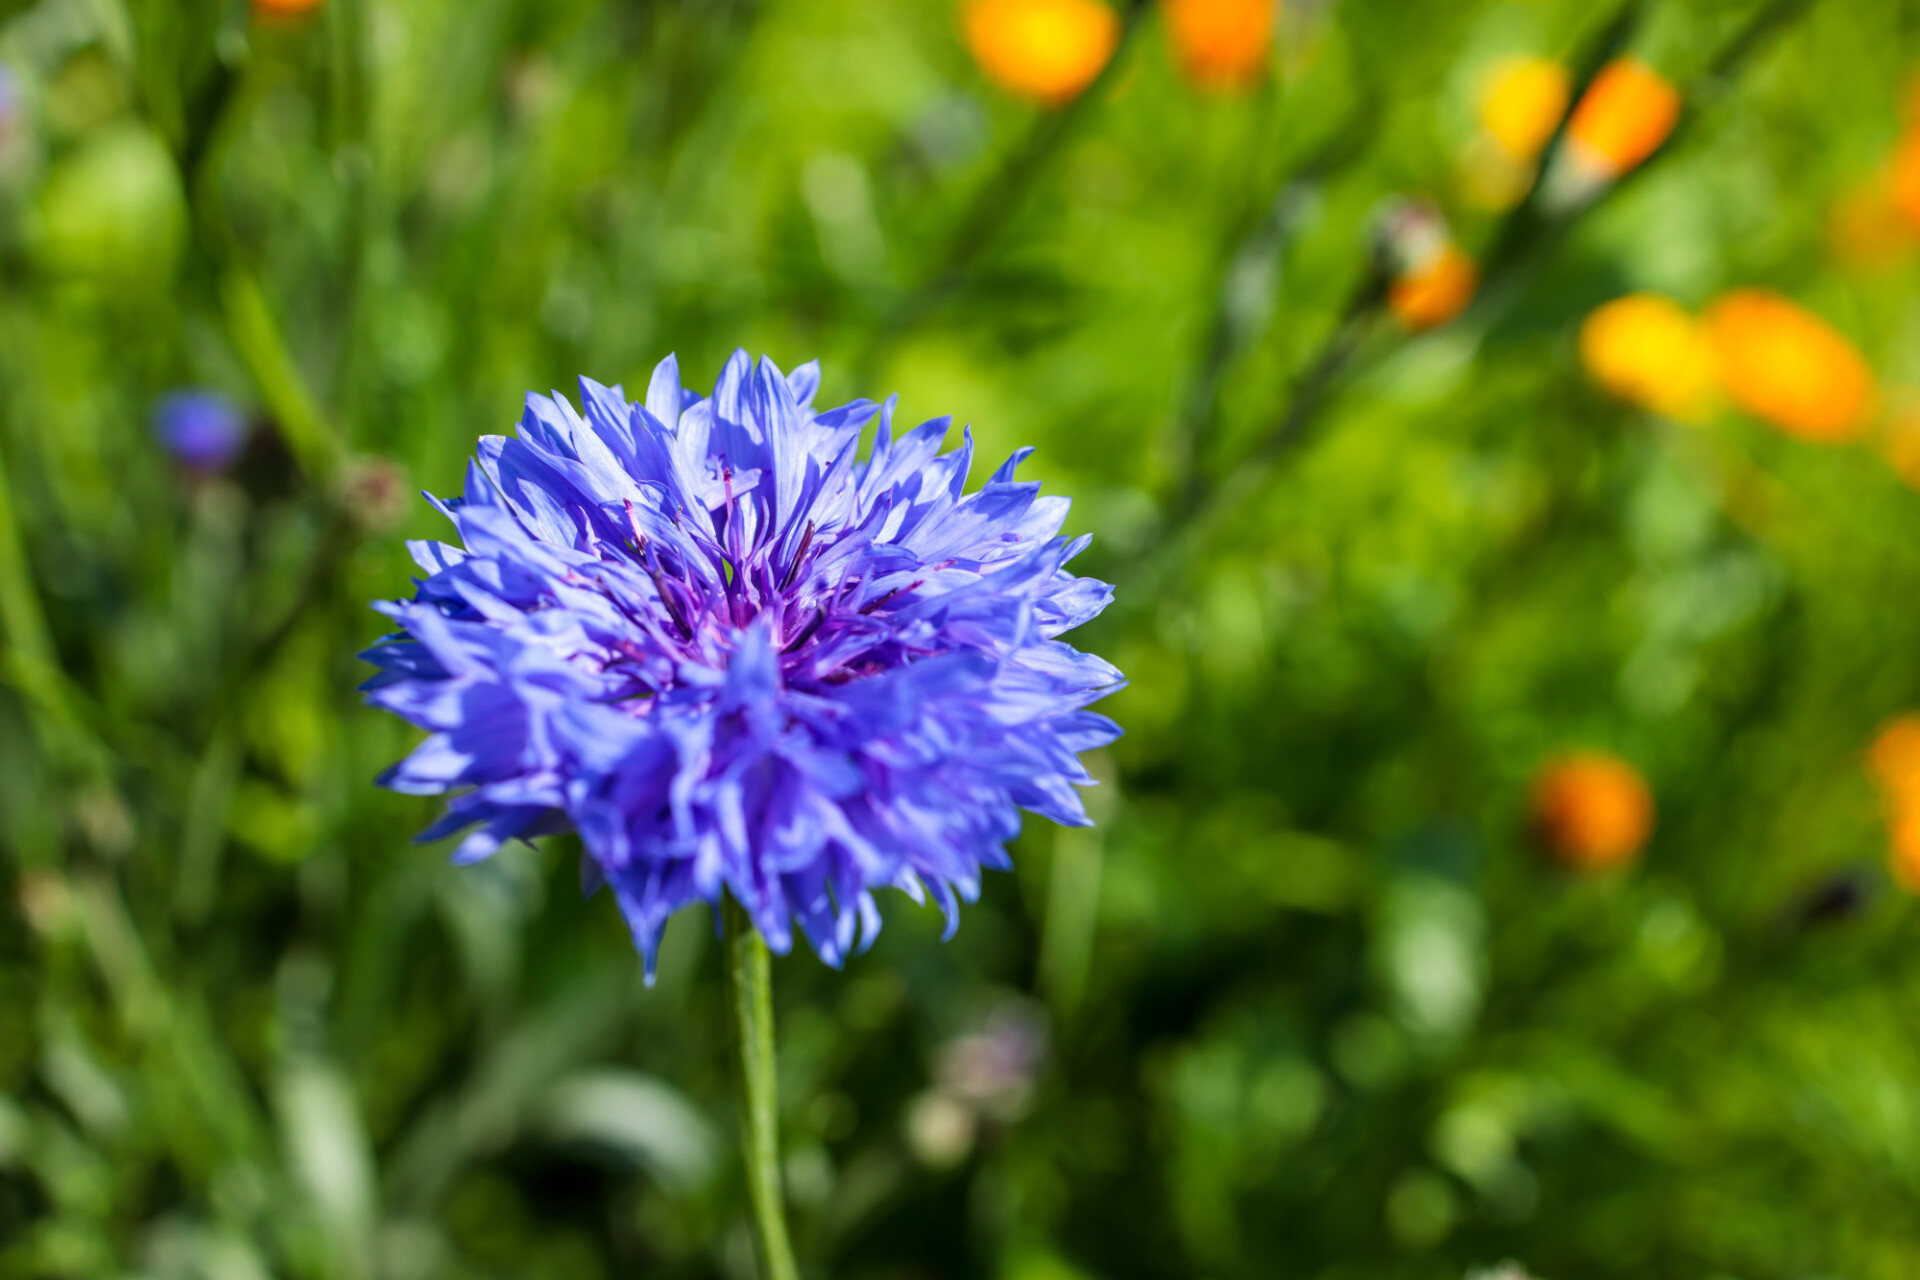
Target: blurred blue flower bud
{"x":203,"y":430}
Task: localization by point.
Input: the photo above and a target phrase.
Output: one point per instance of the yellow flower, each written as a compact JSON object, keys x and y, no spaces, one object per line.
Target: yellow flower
{"x":1624,"y":116}
{"x":1220,"y":44}
{"x":1047,"y":50}
{"x":1591,"y":811}
{"x":1648,"y":351}
{"x":1789,"y":367}
{"x":1435,"y":290}
{"x":1520,"y":104}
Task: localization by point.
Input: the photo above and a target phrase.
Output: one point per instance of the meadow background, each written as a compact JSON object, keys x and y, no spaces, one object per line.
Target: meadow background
{"x":1309,"y":1002}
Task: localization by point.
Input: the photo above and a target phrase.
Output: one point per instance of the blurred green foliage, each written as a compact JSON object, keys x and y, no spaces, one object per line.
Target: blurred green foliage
{"x":1305,"y":1004}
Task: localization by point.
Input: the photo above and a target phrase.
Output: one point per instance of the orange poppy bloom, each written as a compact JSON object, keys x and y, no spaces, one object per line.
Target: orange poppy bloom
{"x":1591,"y":811}
{"x":1624,"y":116}
{"x":1520,"y":104}
{"x":1047,"y":50}
{"x":1434,"y":290}
{"x":285,"y":8}
{"x":1648,"y":351}
{"x":1789,"y":367}
{"x":1220,"y":44}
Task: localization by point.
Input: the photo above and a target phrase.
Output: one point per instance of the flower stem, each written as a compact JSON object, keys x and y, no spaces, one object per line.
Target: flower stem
{"x":750,"y":1000}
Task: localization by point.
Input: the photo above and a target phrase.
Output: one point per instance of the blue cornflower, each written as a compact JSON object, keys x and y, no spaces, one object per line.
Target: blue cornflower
{"x":203,"y":430}
{"x":737,"y":659}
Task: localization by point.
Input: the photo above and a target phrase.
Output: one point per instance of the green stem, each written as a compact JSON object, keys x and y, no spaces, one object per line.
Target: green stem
{"x":28,"y":660}
{"x":750,"y":1000}
{"x":21,"y":622}
{"x":256,"y":335}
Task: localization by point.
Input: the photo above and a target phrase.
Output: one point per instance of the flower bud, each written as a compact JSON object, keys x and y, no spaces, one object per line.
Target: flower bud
{"x":1903,"y":178}
{"x":1903,"y":847}
{"x":1870,"y":225}
{"x":1432,"y":278}
{"x":1648,"y":351}
{"x":1899,"y":441}
{"x":941,"y":1130}
{"x":1521,"y":102}
{"x":203,"y":430}
{"x":283,"y":9}
{"x":1435,"y":292}
{"x":1624,"y":116}
{"x":1789,"y":367}
{"x":1894,"y":759}
{"x":372,"y":491}
{"x":1893,"y":762}
{"x":1220,"y":44}
{"x":1591,"y":811}
{"x":1046,"y":50}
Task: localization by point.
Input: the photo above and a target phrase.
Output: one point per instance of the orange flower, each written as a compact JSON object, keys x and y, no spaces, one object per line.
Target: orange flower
{"x":1591,"y":811}
{"x":1900,"y":444}
{"x":285,"y":8}
{"x":1435,"y":290}
{"x":1220,"y":44}
{"x":1790,"y":367}
{"x":1520,"y":104}
{"x":1624,"y":116}
{"x":1047,"y":50}
{"x":1648,"y":351}
{"x":1894,"y":762}
{"x":1903,"y":168}
{"x":1894,"y":759}
{"x":1903,"y":177}
{"x":1903,"y":848}
{"x":1871,"y":225}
